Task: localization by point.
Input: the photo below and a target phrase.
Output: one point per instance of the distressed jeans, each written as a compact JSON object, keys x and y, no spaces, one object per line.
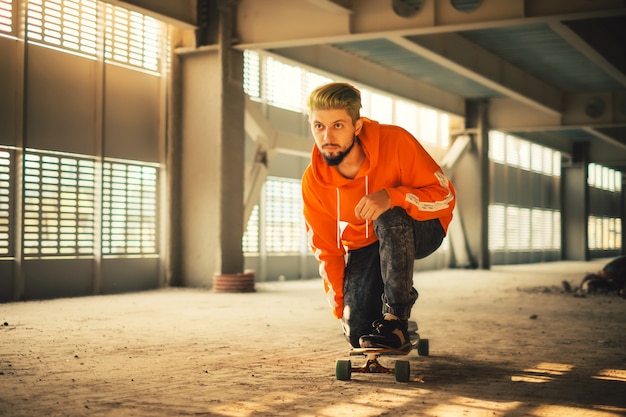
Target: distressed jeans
{"x":378,"y":278}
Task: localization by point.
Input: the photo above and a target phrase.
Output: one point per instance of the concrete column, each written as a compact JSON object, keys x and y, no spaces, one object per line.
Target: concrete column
{"x":575,"y":206}
{"x":473,"y":186}
{"x":211,"y":167}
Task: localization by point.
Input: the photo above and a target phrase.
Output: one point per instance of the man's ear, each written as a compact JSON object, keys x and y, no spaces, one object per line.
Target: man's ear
{"x":358,"y":126}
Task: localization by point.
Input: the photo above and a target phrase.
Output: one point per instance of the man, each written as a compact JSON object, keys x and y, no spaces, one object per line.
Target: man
{"x":394,"y":202}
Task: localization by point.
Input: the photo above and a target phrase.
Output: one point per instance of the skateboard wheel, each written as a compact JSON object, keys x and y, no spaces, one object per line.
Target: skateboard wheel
{"x":402,"y":371}
{"x":422,"y":347}
{"x":343,"y":370}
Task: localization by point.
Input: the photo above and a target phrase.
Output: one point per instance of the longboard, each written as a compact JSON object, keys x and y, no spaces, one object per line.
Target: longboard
{"x":401,"y":369}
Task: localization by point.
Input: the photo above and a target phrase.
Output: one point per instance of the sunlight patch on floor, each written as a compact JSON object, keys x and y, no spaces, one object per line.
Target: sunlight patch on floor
{"x":372,"y":404}
{"x":542,"y":372}
{"x":350,"y":409}
{"x":534,"y":379}
{"x":611,"y":375}
{"x":560,"y":410}
{"x":469,"y":407}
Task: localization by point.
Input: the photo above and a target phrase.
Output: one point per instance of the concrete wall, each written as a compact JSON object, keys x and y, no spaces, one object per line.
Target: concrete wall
{"x":55,"y":101}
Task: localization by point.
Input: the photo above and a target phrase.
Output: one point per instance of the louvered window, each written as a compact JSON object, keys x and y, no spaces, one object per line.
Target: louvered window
{"x":381,"y":107}
{"x":6,"y":17}
{"x":284,"y":85}
{"x":524,"y":154}
{"x":517,"y":152}
{"x":605,"y":233}
{"x":604,"y":178}
{"x":129,"y":209}
{"x":5,"y":203}
{"x":497,"y":147}
{"x":131,"y":38}
{"x":67,"y":24}
{"x":252,"y":74}
{"x":279,"y":222}
{"x":59,"y":205}
{"x":604,"y":229}
{"x":515,"y":228}
{"x":250,"y":241}
{"x":281,"y":84}
{"x":512,"y":151}
{"x":283,"y":221}
{"x":312,"y":81}
{"x":497,"y":220}
{"x":405,"y":116}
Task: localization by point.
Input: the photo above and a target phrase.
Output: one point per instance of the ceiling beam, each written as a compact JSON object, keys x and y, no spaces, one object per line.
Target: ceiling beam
{"x":470,"y":60}
{"x":262,"y":24}
{"x":333,"y":6}
{"x":181,"y":13}
{"x":610,"y":140}
{"x":591,"y":53}
{"x":510,"y":114}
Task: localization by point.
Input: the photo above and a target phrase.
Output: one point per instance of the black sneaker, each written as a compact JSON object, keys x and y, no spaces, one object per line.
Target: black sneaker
{"x":388,"y":334}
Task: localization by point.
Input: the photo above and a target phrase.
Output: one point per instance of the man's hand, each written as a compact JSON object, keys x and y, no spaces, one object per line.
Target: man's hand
{"x":373,"y":205}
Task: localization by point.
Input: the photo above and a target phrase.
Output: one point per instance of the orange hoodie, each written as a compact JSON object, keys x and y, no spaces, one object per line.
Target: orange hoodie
{"x":395,"y":161}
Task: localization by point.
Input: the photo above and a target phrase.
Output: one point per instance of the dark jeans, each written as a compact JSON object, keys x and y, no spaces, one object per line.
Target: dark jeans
{"x":378,"y":278}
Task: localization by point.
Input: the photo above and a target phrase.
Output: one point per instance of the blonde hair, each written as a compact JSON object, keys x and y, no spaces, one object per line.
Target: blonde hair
{"x":335,"y":96}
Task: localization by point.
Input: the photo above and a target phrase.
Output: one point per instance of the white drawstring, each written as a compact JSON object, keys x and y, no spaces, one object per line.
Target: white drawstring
{"x":338,"y":221}
{"x":367,"y":223}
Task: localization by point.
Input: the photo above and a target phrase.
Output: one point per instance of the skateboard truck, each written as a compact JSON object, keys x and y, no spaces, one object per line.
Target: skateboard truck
{"x":401,"y":369}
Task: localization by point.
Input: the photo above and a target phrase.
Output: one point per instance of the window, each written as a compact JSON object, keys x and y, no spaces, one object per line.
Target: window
{"x":524,"y":155}
{"x":67,"y":24}
{"x":6,"y":17}
{"x":129,"y":38}
{"x":378,"y":106}
{"x":444,"y":130}
{"x":283,"y":219}
{"x":536,"y":162}
{"x":287,"y":86}
{"x":605,"y":230}
{"x":605,"y":233}
{"x":513,"y":228}
{"x":279,"y":222}
{"x":516,"y":236}
{"x":284,"y":85}
{"x":312,"y":81}
{"x":517,"y":221}
{"x":250,"y":241}
{"x":604,"y":178}
{"x":5,"y":203}
{"x":59,"y":205}
{"x":61,"y":211}
{"x":544,"y":228}
{"x":252,"y":74}
{"x":497,"y":221}
{"x":129,"y":209}
{"x":517,"y":152}
{"x":429,"y":125}
{"x":405,"y":116}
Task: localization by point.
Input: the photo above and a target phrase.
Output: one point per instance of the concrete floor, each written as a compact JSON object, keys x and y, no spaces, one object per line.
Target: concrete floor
{"x":506,"y":342}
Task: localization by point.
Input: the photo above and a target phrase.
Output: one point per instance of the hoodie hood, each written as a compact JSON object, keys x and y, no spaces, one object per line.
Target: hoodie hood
{"x":330,"y":177}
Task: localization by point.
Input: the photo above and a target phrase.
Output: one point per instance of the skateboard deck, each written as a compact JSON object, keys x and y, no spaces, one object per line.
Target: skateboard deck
{"x":401,"y":369}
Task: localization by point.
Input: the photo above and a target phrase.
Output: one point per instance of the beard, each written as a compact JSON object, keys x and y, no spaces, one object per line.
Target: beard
{"x":335,"y":160}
